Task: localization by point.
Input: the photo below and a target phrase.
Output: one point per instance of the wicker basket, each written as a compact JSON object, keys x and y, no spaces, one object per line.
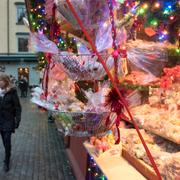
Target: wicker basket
{"x":83,"y":124}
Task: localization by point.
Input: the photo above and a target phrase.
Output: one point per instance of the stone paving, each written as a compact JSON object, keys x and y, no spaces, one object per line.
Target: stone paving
{"x":37,"y":149}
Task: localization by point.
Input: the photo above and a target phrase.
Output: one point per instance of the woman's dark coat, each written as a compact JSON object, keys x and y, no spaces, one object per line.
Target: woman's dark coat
{"x":10,"y":111}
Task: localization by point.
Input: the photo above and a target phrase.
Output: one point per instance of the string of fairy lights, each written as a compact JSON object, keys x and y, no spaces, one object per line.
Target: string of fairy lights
{"x":162,"y":16}
{"x":93,"y":171}
{"x":38,"y":21}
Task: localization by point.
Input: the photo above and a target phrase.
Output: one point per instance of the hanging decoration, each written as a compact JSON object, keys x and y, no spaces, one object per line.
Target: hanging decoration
{"x":40,"y":17}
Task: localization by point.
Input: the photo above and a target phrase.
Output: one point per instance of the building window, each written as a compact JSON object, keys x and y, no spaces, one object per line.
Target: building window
{"x":22,"y":42}
{"x":21,"y":12}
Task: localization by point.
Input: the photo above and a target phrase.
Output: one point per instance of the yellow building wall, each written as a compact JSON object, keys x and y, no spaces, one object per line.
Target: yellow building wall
{"x":14,"y":28}
{"x":3,"y":26}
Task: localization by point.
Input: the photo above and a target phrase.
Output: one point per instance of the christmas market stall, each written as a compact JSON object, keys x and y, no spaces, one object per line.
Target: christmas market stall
{"x":111,"y":79}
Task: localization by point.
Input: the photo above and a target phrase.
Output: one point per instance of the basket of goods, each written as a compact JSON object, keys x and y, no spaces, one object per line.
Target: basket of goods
{"x":83,"y":123}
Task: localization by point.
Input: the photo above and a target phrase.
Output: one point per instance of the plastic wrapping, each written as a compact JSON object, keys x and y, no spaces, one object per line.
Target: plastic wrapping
{"x":149,"y":57}
{"x":39,"y":99}
{"x":57,"y":71}
{"x":38,"y":42}
{"x":61,"y":96}
{"x":49,"y":6}
{"x":83,"y":124}
{"x":96,"y":101}
{"x":91,"y":12}
{"x":165,"y":153}
{"x":83,"y":67}
{"x":104,"y":37}
{"x":78,"y":67}
{"x":82,"y":49}
{"x":134,"y":99}
{"x":74,"y":117}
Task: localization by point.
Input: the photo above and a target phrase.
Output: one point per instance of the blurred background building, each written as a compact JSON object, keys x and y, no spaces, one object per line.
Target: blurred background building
{"x":15,"y":57}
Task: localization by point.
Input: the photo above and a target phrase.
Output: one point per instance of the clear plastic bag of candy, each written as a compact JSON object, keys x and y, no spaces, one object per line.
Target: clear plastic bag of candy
{"x":84,"y":124}
{"x":91,"y":12}
{"x":149,"y":57}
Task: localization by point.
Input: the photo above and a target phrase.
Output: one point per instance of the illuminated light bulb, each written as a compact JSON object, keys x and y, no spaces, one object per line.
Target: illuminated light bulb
{"x":161,"y":37}
{"x":178,"y":50}
{"x":39,"y":6}
{"x":172,"y":18}
{"x":33,"y":23}
{"x":31,"y":10}
{"x":78,"y":44}
{"x":179,"y":34}
{"x":157,"y":5}
{"x":169,"y":7}
{"x":166,"y":11}
{"x":127,"y":4}
{"x":89,"y":169}
{"x":123,"y":47}
{"x":141,"y":11}
{"x":154,"y":22}
{"x":102,"y":177}
{"x":145,"y":6}
{"x":45,"y":28}
{"x":165,"y":32}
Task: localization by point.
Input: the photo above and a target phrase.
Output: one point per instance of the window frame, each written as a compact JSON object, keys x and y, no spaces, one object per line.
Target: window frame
{"x":25,"y":36}
{"x":19,"y":7}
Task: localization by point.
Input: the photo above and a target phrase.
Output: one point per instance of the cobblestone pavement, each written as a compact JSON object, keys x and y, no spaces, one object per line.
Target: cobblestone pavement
{"x":37,"y":149}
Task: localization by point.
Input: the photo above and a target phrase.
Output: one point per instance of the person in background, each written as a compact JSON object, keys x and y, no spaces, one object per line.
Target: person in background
{"x":10,"y":115}
{"x":22,"y":86}
{"x":25,"y":86}
{"x":12,"y":80}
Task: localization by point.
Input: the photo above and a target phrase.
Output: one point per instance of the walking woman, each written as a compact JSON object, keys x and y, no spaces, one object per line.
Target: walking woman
{"x":10,"y":115}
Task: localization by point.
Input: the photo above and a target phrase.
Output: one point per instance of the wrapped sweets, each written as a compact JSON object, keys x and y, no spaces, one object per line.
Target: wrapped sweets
{"x":161,"y":121}
{"x":165,"y":153}
{"x":104,"y":143}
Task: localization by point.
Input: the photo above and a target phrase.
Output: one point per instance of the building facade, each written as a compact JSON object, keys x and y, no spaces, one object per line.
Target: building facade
{"x":15,"y":57}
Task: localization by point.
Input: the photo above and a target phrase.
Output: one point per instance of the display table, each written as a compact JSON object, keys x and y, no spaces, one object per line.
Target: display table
{"x":114,"y":167}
